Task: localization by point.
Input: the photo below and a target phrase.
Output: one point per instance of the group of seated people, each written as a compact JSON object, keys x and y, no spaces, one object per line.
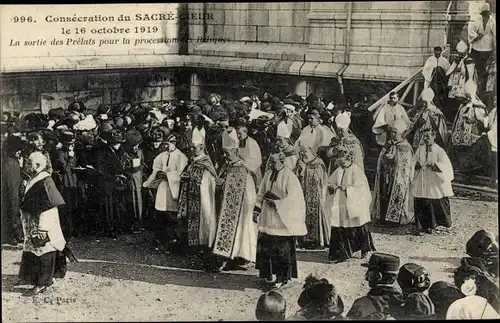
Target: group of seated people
{"x":402,"y":293}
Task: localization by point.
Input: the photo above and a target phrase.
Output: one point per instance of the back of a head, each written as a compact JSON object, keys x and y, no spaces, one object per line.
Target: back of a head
{"x":442,"y":295}
{"x":271,"y":306}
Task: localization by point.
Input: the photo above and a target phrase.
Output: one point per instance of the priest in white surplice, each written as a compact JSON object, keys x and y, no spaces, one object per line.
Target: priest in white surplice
{"x":348,"y":208}
{"x":431,"y":185}
{"x":315,"y":134}
{"x":167,"y":169}
{"x":236,"y":237}
{"x":434,"y":73}
{"x":197,"y":197}
{"x":280,"y":214}
{"x":386,"y":116}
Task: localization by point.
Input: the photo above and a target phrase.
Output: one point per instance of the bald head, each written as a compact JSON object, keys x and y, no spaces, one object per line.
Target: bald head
{"x":37,"y":162}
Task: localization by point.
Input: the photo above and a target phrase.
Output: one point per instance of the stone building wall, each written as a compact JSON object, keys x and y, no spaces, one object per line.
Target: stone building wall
{"x":41,"y":92}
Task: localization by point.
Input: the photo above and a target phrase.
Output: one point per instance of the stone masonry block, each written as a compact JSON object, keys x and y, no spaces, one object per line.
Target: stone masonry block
{"x":273,"y":17}
{"x":241,"y":17}
{"x":230,"y":17}
{"x":375,"y":36}
{"x":218,"y":17}
{"x":168,"y":93}
{"x":25,"y":103}
{"x":258,"y":18}
{"x":285,"y":18}
{"x":299,"y":18}
{"x":360,"y":37}
{"x":319,"y":56}
{"x":267,"y":34}
{"x":36,"y":84}
{"x":9,"y":85}
{"x":245,"y":33}
{"x":106,"y":96}
{"x":104,"y":80}
{"x":229,"y":33}
{"x":121,"y":95}
{"x":218,"y":31}
{"x":54,"y":100}
{"x":72,"y":82}
{"x":291,"y":34}
{"x":363,"y":58}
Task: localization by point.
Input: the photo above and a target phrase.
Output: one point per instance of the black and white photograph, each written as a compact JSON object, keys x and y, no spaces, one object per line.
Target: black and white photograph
{"x":249,"y":161}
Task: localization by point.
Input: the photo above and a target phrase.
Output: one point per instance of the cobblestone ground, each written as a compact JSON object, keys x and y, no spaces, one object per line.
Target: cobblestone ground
{"x":131,"y":279}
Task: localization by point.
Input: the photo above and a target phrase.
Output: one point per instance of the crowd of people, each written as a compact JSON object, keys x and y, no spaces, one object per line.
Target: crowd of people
{"x":402,"y":292}
{"x":238,"y":181}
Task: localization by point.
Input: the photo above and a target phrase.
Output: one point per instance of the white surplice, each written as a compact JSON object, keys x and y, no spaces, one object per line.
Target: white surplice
{"x":315,"y":137}
{"x":354,"y":210}
{"x":173,"y":164}
{"x":387,"y":116}
{"x":48,"y":221}
{"x":208,"y":214}
{"x":289,"y":216}
{"x":427,"y":183}
{"x":252,"y":158}
{"x":429,"y":66}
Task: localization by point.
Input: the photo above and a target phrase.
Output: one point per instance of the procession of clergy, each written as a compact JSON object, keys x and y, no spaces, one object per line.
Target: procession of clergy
{"x":241,"y":181}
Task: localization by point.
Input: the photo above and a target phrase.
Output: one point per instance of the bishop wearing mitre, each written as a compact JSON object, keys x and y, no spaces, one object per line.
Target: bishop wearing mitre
{"x":197,"y":196}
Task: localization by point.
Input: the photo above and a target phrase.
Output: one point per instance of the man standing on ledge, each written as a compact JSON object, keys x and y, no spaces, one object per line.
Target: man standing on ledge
{"x":280,"y":214}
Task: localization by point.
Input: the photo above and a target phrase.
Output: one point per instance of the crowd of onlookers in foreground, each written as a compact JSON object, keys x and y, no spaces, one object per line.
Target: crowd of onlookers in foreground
{"x":402,"y":293}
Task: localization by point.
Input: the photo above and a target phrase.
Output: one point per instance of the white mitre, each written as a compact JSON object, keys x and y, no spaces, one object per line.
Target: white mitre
{"x":343,"y":120}
{"x":230,"y":139}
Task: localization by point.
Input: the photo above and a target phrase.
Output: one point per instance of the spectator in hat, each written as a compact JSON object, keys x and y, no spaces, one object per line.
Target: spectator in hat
{"x":319,"y":301}
{"x":413,"y":278}
{"x":88,"y":220}
{"x":102,"y":113}
{"x":111,"y":164}
{"x":152,"y":147}
{"x":165,"y":177}
{"x":66,"y":181}
{"x":11,"y":182}
{"x":134,"y":161}
{"x":265,"y":136}
{"x":271,"y":306}
{"x":442,"y":295}
{"x":383,"y":296}
{"x":484,"y":246}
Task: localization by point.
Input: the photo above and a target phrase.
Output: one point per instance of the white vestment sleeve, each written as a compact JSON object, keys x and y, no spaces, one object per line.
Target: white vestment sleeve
{"x":292,"y":208}
{"x":254,"y":160}
{"x":49,"y":221}
{"x":429,"y":66}
{"x":444,"y":164}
